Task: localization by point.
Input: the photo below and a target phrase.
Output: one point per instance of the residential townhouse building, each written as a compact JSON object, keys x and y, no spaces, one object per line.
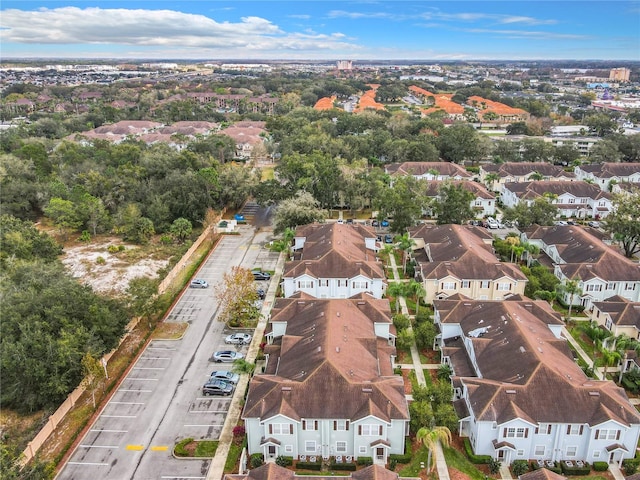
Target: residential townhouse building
{"x":334,"y":261}
{"x":605,"y":174}
{"x":618,"y":315}
{"x":428,"y":170}
{"x":483,"y":203}
{"x":574,"y":199}
{"x":519,"y":393}
{"x":328,"y":388}
{"x":494,"y":175}
{"x":453,"y":259}
{"x":578,"y":255}
{"x":490,"y":111}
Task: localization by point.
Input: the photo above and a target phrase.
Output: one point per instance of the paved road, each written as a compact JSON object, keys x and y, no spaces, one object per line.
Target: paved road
{"x":160,"y":401}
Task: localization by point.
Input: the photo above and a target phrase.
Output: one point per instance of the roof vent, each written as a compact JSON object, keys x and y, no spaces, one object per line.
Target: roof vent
{"x":594,"y":394}
{"x":511,"y":392}
{"x":367,"y":390}
{"x":337,"y":349}
{"x":286,"y":389}
{"x":522,"y":349}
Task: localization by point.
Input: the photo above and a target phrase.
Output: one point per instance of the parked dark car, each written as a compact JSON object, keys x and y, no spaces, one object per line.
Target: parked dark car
{"x":261,"y":293}
{"x":259,"y":275}
{"x":388,"y":238}
{"x":217,"y":387}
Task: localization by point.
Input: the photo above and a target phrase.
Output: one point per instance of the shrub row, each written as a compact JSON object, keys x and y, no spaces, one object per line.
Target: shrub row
{"x":600,"y":466}
{"x":309,"y":465}
{"x":473,"y":458}
{"x":406,"y":458}
{"x":343,"y":466}
{"x":364,"y":461}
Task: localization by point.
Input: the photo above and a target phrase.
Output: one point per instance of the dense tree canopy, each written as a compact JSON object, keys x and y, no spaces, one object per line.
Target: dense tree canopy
{"x":624,"y":222}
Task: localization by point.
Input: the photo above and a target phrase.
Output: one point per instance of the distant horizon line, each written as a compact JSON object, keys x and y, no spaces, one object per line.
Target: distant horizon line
{"x":7,"y":59}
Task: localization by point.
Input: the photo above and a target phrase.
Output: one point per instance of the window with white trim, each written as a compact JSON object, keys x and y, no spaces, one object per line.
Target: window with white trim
{"x":571,"y":200}
{"x":503,"y":286}
{"x":359,"y":284}
{"x":484,"y":284}
{"x":448,"y":286}
{"x":288,"y":448}
{"x":309,"y":424}
{"x":323,"y":282}
{"x":310,"y":446}
{"x":512,"y":432}
{"x":594,"y":288}
{"x":611,"y":286}
{"x":572,"y":451}
{"x":583,"y":200}
{"x":362,"y":450}
{"x":520,"y":453}
{"x":465,"y":284}
{"x":370,"y":430}
{"x":629,"y":286}
{"x":596,"y":454}
{"x":305,"y":284}
{"x":543,"y":429}
{"x":539,"y":450}
{"x":281,"y":428}
{"x":574,"y":429}
{"x":341,"y":447}
{"x":607,"y":434}
{"x":341,"y":425}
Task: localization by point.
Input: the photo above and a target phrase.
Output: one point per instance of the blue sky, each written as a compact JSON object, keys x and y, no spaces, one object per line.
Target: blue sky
{"x":357,"y":30}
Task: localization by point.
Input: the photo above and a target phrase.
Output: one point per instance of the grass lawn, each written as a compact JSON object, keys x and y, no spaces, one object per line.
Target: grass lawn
{"x":578,"y":334}
{"x":232,"y":458}
{"x":413,"y":469}
{"x":458,"y":460}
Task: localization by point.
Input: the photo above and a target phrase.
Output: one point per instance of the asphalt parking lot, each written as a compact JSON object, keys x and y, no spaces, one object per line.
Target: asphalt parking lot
{"x":160,"y":400}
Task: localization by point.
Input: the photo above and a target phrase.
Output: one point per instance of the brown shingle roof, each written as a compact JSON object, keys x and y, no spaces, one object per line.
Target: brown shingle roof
{"x":623,"y":312}
{"x":522,"y":169}
{"x":329,"y":346}
{"x":539,"y":188}
{"x":524,"y":367}
{"x":421,"y":168}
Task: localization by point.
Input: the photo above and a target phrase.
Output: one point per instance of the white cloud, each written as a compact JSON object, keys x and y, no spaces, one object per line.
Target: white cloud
{"x":155,"y":28}
{"x":537,"y":35}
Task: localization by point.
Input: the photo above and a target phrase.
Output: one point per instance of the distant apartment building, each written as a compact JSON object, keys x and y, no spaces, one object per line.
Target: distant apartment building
{"x":619,"y":74}
{"x":344,"y":65}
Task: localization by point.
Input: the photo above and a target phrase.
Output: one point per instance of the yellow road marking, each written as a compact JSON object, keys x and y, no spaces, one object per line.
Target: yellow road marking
{"x":160,"y":448}
{"x":135,"y":447}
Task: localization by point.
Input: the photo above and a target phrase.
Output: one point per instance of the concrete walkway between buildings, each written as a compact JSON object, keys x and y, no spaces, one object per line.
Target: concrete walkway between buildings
{"x":216,"y":468}
{"x":615,"y":471}
{"x":418,"y":368}
{"x":586,"y":358}
{"x":505,"y":473}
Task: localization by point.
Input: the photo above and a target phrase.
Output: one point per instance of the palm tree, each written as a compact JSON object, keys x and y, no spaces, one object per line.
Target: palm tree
{"x":241,"y":366}
{"x":609,"y":358}
{"x":536,"y":176}
{"x":531,"y":250}
{"x":490,"y":179}
{"x":405,"y":243}
{"x":396,"y":290}
{"x":571,"y":288}
{"x":430,"y":437}
{"x":418,"y":291}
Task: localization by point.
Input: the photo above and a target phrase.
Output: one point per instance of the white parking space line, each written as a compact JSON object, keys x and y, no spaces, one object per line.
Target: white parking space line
{"x":88,"y":463}
{"x":98,"y":446}
{"x":140,"y":391}
{"x":205,"y":425}
{"x":126,"y":403}
{"x":107,"y":431}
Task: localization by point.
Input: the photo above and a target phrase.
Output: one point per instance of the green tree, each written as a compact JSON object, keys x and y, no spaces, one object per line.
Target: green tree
{"x":430,"y":436}
{"x":299,"y":210}
{"x":541,"y":212}
{"x":63,"y":214}
{"x":403,"y":203}
{"x":453,"y":204}
{"x":624,"y":221}
{"x":461,"y":142}
{"x":181,"y":229}
{"x":404,"y":244}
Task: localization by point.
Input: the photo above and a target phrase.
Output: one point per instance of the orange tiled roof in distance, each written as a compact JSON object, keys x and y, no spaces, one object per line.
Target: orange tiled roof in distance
{"x":421,"y":91}
{"x":496,"y":107}
{"x":368,"y":100}
{"x":325,"y":103}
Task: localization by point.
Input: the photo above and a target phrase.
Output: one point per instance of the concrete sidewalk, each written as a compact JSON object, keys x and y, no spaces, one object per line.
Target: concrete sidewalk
{"x":581,"y":352}
{"x":418,"y":368}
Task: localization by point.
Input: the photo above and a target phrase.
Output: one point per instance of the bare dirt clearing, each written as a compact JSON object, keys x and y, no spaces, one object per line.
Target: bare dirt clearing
{"x":109,"y":273}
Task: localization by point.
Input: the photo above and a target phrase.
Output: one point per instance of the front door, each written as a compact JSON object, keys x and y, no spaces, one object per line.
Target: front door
{"x":271,"y":451}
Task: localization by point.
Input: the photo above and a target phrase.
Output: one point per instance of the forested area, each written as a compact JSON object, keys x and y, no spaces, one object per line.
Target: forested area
{"x":49,"y":320}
